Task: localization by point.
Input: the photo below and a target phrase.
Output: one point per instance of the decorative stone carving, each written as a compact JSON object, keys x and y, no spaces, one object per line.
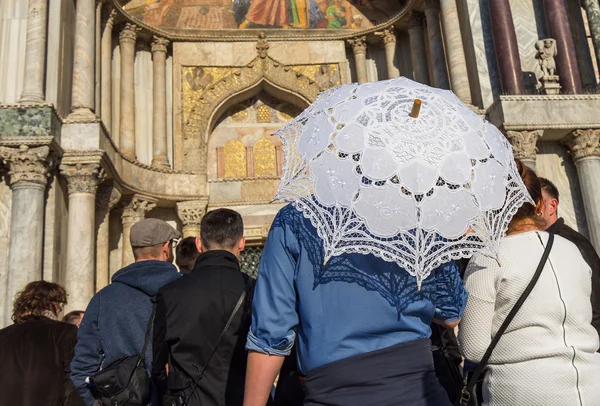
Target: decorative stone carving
{"x":583,"y":143}
{"x":388,"y":35}
{"x":160,"y":44}
{"x":326,"y":77}
{"x":82,"y":178}
{"x":129,"y":33}
{"x":524,"y":143}
{"x":359,"y":45}
{"x":27,"y":164}
{"x":136,"y":209}
{"x":107,"y":197}
{"x":546,"y":51}
{"x":190,"y":213}
{"x":262,"y":46}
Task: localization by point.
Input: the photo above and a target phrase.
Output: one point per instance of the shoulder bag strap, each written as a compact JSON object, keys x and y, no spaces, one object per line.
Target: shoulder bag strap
{"x":511,"y":314}
{"x":148,"y":330}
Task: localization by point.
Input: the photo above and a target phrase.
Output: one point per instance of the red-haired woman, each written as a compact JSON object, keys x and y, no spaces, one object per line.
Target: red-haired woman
{"x":36,"y":351}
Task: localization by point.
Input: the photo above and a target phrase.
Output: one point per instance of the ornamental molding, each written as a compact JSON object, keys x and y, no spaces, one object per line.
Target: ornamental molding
{"x":549,"y":97}
{"x":82,"y":178}
{"x":583,"y":143}
{"x":191,"y":212}
{"x":524,"y":143}
{"x":135,"y":210}
{"x":27,"y":164}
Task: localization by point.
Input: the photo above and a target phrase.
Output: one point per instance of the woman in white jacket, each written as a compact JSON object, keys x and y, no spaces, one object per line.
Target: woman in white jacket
{"x":547,"y":356}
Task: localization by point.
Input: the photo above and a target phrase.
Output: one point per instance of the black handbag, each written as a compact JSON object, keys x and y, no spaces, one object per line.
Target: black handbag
{"x":125,"y":382}
{"x":447,"y":369}
{"x":467,"y":397}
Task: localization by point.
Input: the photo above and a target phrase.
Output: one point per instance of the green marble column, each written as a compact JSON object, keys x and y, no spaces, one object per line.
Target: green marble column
{"x":592,"y":8}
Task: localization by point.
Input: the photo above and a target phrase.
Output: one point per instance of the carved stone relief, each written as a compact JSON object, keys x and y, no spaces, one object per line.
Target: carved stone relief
{"x":136,"y":209}
{"x":82,"y":178}
{"x":524,"y":143}
{"x":27,"y":164}
{"x":583,"y":143}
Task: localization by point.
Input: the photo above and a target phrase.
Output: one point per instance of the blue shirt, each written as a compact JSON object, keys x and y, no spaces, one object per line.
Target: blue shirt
{"x":352,"y":305}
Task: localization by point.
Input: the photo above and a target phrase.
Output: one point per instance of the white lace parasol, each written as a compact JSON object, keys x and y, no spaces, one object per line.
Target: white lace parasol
{"x":417,"y":191}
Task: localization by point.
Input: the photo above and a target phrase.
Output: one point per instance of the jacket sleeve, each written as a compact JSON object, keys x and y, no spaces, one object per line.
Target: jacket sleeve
{"x":160,"y":349}
{"x":88,"y":351}
{"x":67,"y":349}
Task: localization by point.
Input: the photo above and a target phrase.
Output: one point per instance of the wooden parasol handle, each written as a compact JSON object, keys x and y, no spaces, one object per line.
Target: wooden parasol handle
{"x":416,"y":108}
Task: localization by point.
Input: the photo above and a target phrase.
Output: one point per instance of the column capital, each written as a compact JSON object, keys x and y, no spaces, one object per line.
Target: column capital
{"x":159,"y":44}
{"x":415,"y":20}
{"x":583,"y":143}
{"x":27,"y":164}
{"x":107,"y":197}
{"x":524,"y":143}
{"x":388,"y":35}
{"x":432,"y":4}
{"x":191,"y":212}
{"x":359,"y":45}
{"x":82,"y":178}
{"x":129,"y":33}
{"x":109,"y":19}
{"x":136,"y":209}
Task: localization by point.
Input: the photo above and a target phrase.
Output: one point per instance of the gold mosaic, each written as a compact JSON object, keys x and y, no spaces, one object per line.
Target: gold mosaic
{"x":265,"y":162}
{"x":234,"y":155}
{"x":263,"y":114}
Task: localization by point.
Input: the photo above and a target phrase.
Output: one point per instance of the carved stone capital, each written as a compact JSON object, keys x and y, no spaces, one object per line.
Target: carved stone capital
{"x":27,"y":164}
{"x":129,"y":33}
{"x":583,"y":143}
{"x":107,"y":197}
{"x":359,"y":45}
{"x":110,"y":18}
{"x":388,"y":35}
{"x":262,"y":45}
{"x":524,"y":143}
{"x":432,"y":4}
{"x":136,"y":209}
{"x":82,"y":178}
{"x":160,"y":44}
{"x":191,"y":212}
{"x":415,"y":20}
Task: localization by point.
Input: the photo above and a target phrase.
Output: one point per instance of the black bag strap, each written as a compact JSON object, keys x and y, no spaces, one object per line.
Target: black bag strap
{"x":237,"y":307}
{"x":511,"y":315}
{"x":148,"y":330}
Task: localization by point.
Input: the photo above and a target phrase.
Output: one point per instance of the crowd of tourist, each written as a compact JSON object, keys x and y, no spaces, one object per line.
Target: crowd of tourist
{"x":207,"y":334}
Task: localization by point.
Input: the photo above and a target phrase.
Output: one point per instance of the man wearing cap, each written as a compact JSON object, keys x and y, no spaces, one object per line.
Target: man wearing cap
{"x":116,"y":318}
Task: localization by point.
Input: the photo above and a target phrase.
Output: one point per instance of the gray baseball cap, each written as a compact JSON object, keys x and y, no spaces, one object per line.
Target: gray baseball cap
{"x":151,"y":232}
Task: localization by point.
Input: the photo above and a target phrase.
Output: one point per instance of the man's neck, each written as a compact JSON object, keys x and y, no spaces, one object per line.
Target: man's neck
{"x":551,"y":221}
{"x":235,"y":253}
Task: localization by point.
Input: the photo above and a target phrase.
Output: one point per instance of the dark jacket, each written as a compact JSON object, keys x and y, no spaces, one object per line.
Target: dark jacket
{"x":190,"y":315}
{"x":590,"y":256}
{"x":115,"y":321}
{"x":35,"y":358}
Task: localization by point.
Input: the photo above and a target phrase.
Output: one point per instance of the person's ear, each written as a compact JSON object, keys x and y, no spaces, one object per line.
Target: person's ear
{"x":166,"y":250}
{"x":553,"y":205}
{"x":539,"y":207}
{"x":199,"y":244}
{"x":242,"y":244}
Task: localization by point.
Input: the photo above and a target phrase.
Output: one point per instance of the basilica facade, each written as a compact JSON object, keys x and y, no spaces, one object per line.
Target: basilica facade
{"x":112,"y":111}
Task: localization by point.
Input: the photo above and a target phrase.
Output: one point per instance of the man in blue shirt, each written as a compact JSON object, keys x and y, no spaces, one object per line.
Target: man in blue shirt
{"x":361,"y":324}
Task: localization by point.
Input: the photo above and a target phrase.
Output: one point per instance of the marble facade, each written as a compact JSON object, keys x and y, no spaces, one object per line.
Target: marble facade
{"x":108,"y":117}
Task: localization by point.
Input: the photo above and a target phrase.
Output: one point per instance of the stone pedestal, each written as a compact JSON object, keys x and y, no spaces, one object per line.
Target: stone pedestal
{"x":82,"y":93}
{"x":359,"y":48}
{"x":159,"y":93}
{"x":190,"y":213}
{"x":132,"y":213}
{"x":550,"y":84}
{"x":28,"y":178}
{"x":524,"y":145}
{"x":389,"y":42}
{"x":106,"y":50}
{"x":436,"y":44}
{"x":585,"y":150}
{"x":127,"y":40}
{"x":35,"y":52}
{"x":107,"y":197}
{"x":80,"y":275}
{"x":417,"y":45}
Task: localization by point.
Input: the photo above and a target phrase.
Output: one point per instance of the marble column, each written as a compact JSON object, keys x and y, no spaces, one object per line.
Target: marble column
{"x":159,"y":94}
{"x":557,"y":22}
{"x":524,"y":145}
{"x":107,"y":197}
{"x":436,"y":44}
{"x":132,"y":213}
{"x":98,"y":60}
{"x":455,"y":51}
{"x":190,"y":213}
{"x":127,"y":38}
{"x":28,"y":168}
{"x":417,"y":45}
{"x":80,"y":276}
{"x":35,"y":52}
{"x":389,"y":42}
{"x":82,"y":91}
{"x":106,"y":70}
{"x":359,"y":47}
{"x":506,"y":47}
{"x":585,"y":150}
{"x":592,"y":9}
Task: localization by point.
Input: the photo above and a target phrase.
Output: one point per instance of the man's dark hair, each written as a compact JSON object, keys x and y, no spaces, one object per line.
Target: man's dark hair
{"x":549,"y":188}
{"x":186,"y":253}
{"x":221,"y":228}
{"x":72,"y":316}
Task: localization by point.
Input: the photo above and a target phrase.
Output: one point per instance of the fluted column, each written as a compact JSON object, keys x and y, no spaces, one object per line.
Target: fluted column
{"x":436,"y":44}
{"x":127,"y":40}
{"x":132,"y":213}
{"x":107,"y":197}
{"x":417,"y":45}
{"x":35,"y":52}
{"x":592,"y":9}
{"x":389,"y":42}
{"x":106,"y":69}
{"x":566,"y":60}
{"x":455,"y":51}
{"x":159,"y":93}
{"x":28,"y":168}
{"x":524,"y":145}
{"x":506,"y":47}
{"x":359,"y":48}
{"x":82,"y":92}
{"x":80,"y":275}
{"x":585,"y":150}
{"x":190,"y":213}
